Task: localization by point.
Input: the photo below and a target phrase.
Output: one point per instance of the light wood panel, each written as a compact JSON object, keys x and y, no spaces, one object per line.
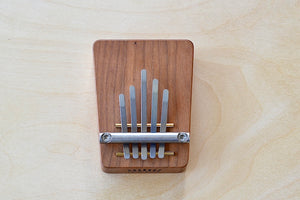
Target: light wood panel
{"x":246,"y":98}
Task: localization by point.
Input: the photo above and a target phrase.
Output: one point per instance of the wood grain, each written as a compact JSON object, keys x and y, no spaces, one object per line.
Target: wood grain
{"x":118,"y":64}
{"x":245,"y":110}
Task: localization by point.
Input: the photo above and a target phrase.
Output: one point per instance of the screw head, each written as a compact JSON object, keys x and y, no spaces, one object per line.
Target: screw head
{"x":106,"y":137}
{"x":183,"y":137}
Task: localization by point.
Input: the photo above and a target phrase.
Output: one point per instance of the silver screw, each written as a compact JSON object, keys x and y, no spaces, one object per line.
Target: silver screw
{"x":182,"y":137}
{"x":106,"y":137}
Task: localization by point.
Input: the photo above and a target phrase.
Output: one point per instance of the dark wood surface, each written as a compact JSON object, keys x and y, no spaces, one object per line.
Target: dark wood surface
{"x":118,"y":65}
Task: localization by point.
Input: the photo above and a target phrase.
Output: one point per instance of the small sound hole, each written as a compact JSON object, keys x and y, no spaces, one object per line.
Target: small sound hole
{"x":143,"y":170}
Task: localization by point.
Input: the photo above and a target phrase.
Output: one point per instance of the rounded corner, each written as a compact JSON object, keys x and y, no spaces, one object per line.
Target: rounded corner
{"x":104,"y":168}
{"x":95,"y":43}
{"x":190,"y":43}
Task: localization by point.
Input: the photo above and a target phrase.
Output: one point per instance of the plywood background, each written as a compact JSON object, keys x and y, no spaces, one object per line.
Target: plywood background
{"x":246,"y":98}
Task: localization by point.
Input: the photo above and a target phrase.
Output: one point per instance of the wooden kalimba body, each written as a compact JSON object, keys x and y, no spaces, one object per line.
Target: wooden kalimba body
{"x":144,"y":90}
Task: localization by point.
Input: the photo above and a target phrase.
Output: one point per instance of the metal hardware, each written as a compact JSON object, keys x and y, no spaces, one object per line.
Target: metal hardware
{"x":144,"y":111}
{"x":168,"y":125}
{"x":154,"y":115}
{"x":164,"y":115}
{"x":144,"y":138}
{"x":135,"y":147}
{"x":167,"y":153}
{"x":124,"y":124}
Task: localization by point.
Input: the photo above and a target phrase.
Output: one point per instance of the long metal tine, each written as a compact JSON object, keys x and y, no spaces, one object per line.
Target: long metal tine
{"x":163,"y":121}
{"x":124,"y":124}
{"x":144,"y":111}
{"x":135,"y":147}
{"x":154,"y":115}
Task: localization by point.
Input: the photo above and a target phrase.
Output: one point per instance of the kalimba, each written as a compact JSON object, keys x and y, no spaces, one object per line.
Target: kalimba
{"x":144,"y":90}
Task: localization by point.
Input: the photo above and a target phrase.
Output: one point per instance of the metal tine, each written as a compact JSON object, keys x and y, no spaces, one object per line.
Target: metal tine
{"x":144,"y":111}
{"x":135,"y":147}
{"x":124,"y":124}
{"x":154,"y":115}
{"x":163,"y":121}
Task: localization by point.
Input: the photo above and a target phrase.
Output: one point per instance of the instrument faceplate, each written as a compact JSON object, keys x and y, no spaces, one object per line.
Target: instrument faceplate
{"x":118,"y":65}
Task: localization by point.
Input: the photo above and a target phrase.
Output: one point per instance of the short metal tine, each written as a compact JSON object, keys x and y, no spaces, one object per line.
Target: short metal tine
{"x":135,"y":147}
{"x":154,"y":115}
{"x":163,"y":121}
{"x":144,"y":111}
{"x":124,"y":124}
